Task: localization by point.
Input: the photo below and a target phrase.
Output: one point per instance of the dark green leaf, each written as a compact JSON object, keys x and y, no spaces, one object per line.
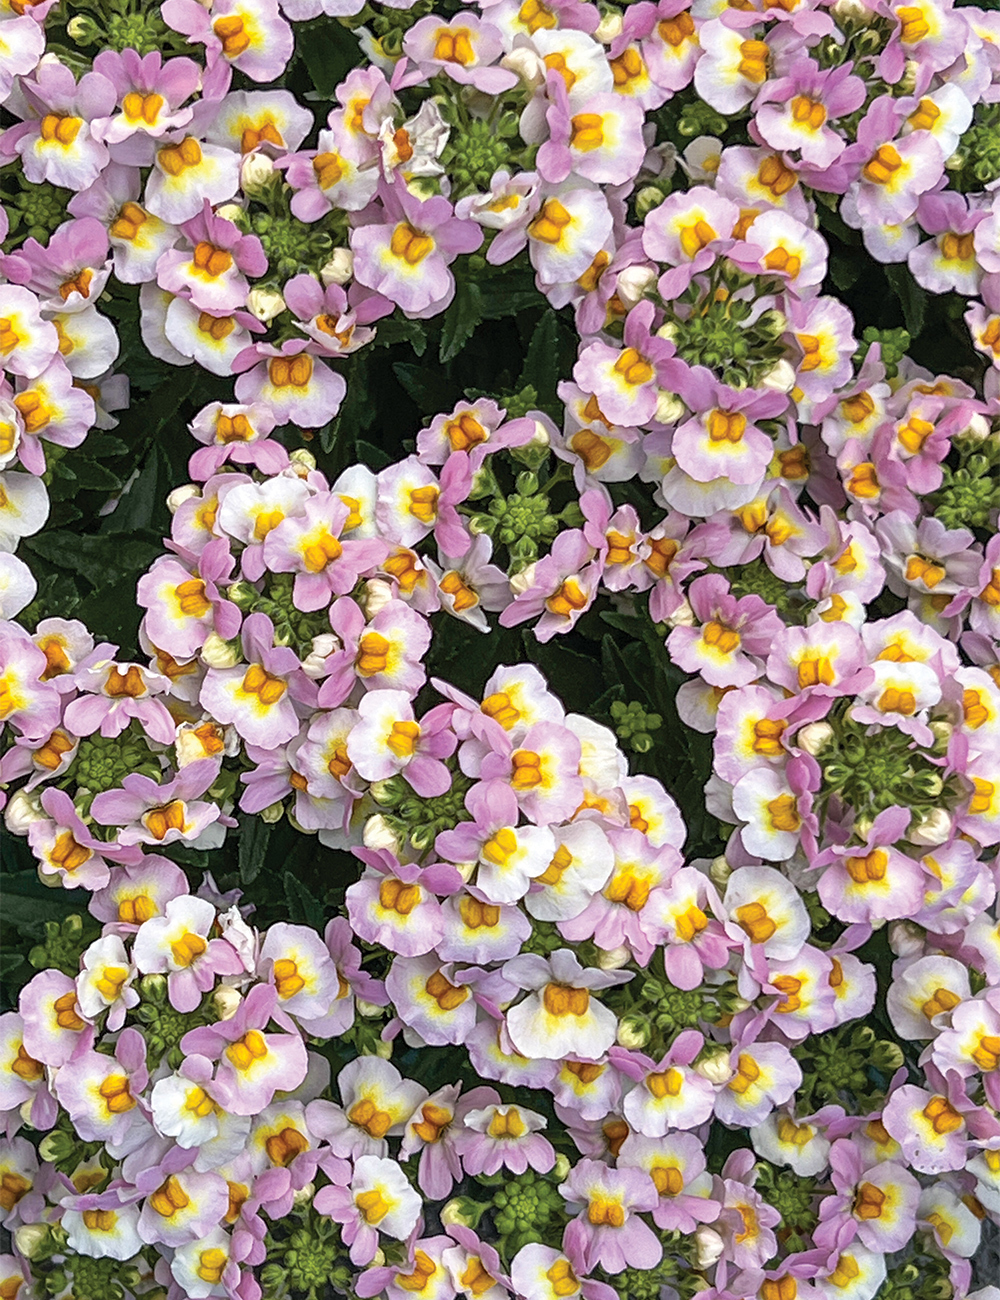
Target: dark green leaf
{"x":255,"y":835}
{"x":461,"y":319}
{"x":541,"y":365}
{"x":303,"y":907}
{"x":429,"y":389}
{"x":912,"y":298}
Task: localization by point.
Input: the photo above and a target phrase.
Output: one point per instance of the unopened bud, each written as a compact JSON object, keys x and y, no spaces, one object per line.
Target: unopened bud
{"x":378,"y":834}
{"x":942,"y":735}
{"x":454,"y":1215}
{"x":934,"y":828}
{"x":374,"y":596}
{"x":370,"y":1010}
{"x":719,"y":872}
{"x":265,"y":304}
{"x":314,"y":664}
{"x":683,"y":616}
{"x":23,"y":810}
{"x":715,"y":1067}
{"x":780,"y":378}
{"x":521,"y":582}
{"x":613,"y":958}
{"x":708,"y":1246}
{"x":272,"y":813}
{"x":526,"y":65}
{"x":339,"y":268}
{"x":609,"y":28}
{"x":257,"y":174}
{"x":632,"y":1036}
{"x":908,"y":82}
{"x":179,"y":495}
{"x":302,"y":459}
{"x":647,"y":200}
{"x":33,"y":1240}
{"x":977,"y":430}
{"x":231,"y":212}
{"x":378,"y":1260}
{"x":669,"y":408}
{"x":226,"y":1001}
{"x":633,"y":283}
{"x":906,"y":938}
{"x":668,"y":330}
{"x":219,"y":653}
{"x":303,"y":1196}
{"x":814,"y":737}
{"x":381,"y":1049}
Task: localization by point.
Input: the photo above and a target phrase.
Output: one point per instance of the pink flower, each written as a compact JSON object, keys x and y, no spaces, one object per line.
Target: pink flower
{"x":253,"y":1064}
{"x":57,"y":143}
{"x":213,"y":271}
{"x":731,"y":632}
{"x":66,"y":849}
{"x":151,"y":93}
{"x":407,"y":259}
{"x":793,"y":112}
{"x":150,"y":813}
{"x":297,"y":387}
{"x":463,"y":49}
{"x":607,"y":1230}
{"x":250,"y":35}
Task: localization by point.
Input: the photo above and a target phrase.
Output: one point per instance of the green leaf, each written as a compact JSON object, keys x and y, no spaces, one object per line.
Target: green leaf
{"x":91,"y":474}
{"x":303,"y":907}
{"x":428,"y":388}
{"x":329,"y":51}
{"x":397,"y":329}
{"x":102,"y":560}
{"x":541,"y":365}
{"x":375,"y":458}
{"x":912,"y":298}
{"x":255,"y":835}
{"x":461,"y":319}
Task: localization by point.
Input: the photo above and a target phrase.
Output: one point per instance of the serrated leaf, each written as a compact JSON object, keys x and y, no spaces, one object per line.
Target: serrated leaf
{"x":428,"y":388}
{"x":93,"y":476}
{"x":912,"y":298}
{"x":329,"y":51}
{"x":255,"y":836}
{"x":460,"y":320}
{"x":541,"y":364}
{"x":303,"y":907}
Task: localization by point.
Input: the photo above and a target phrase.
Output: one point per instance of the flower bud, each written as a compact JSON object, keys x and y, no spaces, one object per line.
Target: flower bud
{"x":314,"y":664}
{"x":226,"y":1001}
{"x":780,"y":378}
{"x":303,"y":1196}
{"x":708,"y":1246}
{"x":632,"y":1036}
{"x":683,"y":616}
{"x":814,"y":737}
{"x":339,"y":268}
{"x":908,"y":82}
{"x":521,"y":582}
{"x":33,"y":1240}
{"x":633,"y":283}
{"x":272,"y":813}
{"x":527,"y":65}
{"x":153,"y":988}
{"x":647,"y":200}
{"x":374,"y":596}
{"x":942,"y":734}
{"x":179,"y":495}
{"x":719,"y":872}
{"x":669,"y":407}
{"x":613,"y":958}
{"x":609,"y":28}
{"x":851,"y":13}
{"x":257,"y":174}
{"x":934,"y":828}
{"x":55,"y":1146}
{"x":219,"y":653}
{"x":370,"y":1010}
{"x":231,"y":212}
{"x":265,"y":303}
{"x":382,"y":1049}
{"x":302,"y":460}
{"x":714,"y":1066}
{"x":23,"y":810}
{"x":465,"y":869}
{"x":906,"y":938}
{"x":976,"y":431}
{"x":378,"y":1260}
{"x":668,"y":330}
{"x":453,"y":1215}
{"x":82,"y":30}
{"x":378,"y":834}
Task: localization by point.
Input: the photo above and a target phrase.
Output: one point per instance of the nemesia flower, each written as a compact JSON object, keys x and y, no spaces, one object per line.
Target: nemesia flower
{"x":607,"y":1230}
{"x":559,"y":1017}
